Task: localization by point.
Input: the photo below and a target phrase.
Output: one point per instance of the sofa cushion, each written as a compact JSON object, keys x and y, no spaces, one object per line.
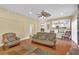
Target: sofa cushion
{"x":13,"y":43}
{"x":45,"y":42}
{"x":35,"y":36}
{"x":11,"y":39}
{"x":42,"y":35}
{"x":51,"y":36}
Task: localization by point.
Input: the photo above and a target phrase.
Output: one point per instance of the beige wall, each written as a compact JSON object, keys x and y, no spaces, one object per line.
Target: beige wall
{"x":14,"y":22}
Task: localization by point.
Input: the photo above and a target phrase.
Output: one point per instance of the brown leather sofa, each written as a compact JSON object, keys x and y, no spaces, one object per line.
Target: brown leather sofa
{"x":44,"y":38}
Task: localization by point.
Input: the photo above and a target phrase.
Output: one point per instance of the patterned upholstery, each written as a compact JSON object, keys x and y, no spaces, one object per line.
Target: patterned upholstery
{"x":42,"y":35}
{"x":51,"y":36}
{"x":35,"y":36}
{"x":45,"y":38}
{"x":10,"y":39}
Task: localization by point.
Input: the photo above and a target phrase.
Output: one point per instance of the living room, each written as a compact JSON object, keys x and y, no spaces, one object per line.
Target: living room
{"x":38,"y":27}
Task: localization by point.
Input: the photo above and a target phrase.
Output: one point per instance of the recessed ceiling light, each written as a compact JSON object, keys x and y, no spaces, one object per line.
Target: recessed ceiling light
{"x":30,"y":12}
{"x":61,"y":13}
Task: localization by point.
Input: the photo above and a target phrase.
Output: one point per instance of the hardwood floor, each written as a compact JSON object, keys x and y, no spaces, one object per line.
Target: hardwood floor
{"x":62,"y":47}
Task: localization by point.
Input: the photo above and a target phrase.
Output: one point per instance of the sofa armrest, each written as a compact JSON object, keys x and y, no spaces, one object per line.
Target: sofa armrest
{"x":17,"y":38}
{"x":35,"y":36}
{"x":5,"y":41}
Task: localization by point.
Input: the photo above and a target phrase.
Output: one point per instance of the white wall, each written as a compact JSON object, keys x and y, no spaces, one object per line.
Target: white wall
{"x":74,"y":29}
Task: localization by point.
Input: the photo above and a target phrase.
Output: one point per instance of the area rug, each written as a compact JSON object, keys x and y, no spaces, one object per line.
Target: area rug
{"x":39,"y":51}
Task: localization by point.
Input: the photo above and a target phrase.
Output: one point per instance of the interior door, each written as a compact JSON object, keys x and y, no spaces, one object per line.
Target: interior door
{"x":32,"y":29}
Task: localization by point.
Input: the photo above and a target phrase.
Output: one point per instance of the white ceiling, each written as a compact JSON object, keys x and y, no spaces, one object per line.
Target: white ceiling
{"x":56,"y":10}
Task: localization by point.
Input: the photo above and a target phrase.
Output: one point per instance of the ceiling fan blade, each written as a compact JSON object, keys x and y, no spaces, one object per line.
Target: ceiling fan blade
{"x":39,"y":15}
{"x":45,"y":14}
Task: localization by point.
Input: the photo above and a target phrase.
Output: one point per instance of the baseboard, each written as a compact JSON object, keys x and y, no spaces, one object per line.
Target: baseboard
{"x":25,"y":38}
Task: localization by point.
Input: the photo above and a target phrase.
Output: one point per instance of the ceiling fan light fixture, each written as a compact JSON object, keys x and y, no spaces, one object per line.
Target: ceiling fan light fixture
{"x":43,"y":13}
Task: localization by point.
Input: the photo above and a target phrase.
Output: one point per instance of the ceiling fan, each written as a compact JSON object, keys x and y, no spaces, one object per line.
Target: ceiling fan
{"x":44,"y":13}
